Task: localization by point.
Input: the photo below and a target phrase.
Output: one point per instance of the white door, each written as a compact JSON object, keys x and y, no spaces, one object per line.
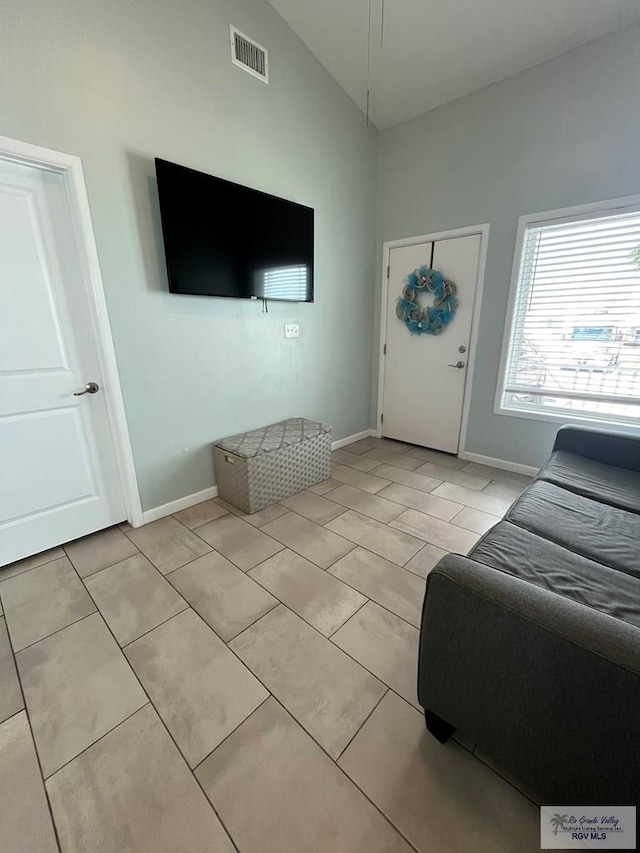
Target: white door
{"x":57,"y":457}
{"x":424,"y":375}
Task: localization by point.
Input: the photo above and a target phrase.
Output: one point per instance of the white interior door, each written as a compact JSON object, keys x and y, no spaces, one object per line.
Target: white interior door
{"x":59,"y":472}
{"x":423,"y":393}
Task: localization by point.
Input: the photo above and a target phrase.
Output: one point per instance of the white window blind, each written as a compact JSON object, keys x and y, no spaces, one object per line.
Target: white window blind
{"x":574,"y":344}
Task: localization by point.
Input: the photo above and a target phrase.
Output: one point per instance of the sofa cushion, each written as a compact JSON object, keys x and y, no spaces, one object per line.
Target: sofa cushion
{"x":605,"y":483}
{"x":518,"y":552}
{"x":603,"y":533}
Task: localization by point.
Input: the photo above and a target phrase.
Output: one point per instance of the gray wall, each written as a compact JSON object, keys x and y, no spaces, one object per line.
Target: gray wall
{"x":119,"y":82}
{"x":564,"y":133}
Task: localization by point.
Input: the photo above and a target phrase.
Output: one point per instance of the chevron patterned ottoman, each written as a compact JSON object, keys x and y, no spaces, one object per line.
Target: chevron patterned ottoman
{"x":258,"y":468}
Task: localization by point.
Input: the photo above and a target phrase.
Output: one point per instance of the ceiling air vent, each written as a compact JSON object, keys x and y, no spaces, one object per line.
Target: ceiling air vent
{"x":249,"y":55}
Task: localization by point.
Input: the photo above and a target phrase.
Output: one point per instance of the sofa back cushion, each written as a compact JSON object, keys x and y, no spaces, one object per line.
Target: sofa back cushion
{"x":600,"y":532}
{"x":608,"y":484}
{"x":521,"y":553}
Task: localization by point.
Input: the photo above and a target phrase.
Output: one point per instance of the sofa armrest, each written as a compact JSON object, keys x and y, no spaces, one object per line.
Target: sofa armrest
{"x":609,"y":447}
{"x":546,"y":688}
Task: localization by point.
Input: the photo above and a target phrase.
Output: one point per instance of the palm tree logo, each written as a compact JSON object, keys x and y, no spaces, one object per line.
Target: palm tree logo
{"x":557,"y":821}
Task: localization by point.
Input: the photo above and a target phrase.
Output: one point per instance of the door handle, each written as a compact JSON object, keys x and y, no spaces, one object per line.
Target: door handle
{"x":458,"y":364}
{"x":89,"y":388}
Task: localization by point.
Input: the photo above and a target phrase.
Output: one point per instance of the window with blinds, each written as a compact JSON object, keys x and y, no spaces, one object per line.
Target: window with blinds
{"x":573,"y":345}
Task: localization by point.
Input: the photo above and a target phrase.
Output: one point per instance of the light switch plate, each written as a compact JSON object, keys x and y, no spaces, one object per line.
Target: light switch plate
{"x":291,"y":330}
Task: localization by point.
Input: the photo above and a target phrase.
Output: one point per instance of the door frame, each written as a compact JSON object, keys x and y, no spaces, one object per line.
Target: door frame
{"x":483,"y":231}
{"x":70,"y":168}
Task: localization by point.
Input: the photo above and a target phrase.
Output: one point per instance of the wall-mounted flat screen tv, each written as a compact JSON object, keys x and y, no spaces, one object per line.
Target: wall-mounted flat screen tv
{"x":223,"y":239}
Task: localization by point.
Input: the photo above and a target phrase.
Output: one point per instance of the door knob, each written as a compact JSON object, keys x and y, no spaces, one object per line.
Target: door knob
{"x":458,"y":364}
{"x":89,"y":388}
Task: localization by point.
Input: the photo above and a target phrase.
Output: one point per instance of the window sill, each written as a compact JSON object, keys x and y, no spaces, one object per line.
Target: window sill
{"x":556,"y":416}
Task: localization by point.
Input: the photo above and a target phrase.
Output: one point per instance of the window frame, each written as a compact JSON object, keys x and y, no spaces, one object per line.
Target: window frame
{"x":552,"y":217}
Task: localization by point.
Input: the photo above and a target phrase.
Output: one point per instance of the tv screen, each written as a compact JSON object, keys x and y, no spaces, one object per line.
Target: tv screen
{"x":223,"y":239}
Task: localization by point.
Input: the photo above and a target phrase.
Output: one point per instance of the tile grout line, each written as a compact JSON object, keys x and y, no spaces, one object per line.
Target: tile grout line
{"x":164,"y":574}
{"x":391,"y":528}
{"x":247,"y":573}
{"x":258,"y":529}
{"x":439,"y":520}
{"x":288,"y":547}
{"x":348,"y":778}
{"x":269,"y":694}
{"x":109,"y":565}
{"x":83,"y":578}
{"x":359,"y":456}
{"x":424,"y":542}
{"x":462,"y":508}
{"x":187,"y":606}
{"x":93,"y":743}
{"x":34,"y":742}
{"x":293,"y":551}
{"x":251,"y":624}
{"x":163,"y":577}
{"x":173,"y":515}
{"x":150,"y":702}
{"x":334,"y":761}
{"x":387,"y":691}
{"x":421,"y":492}
{"x":361,"y":726}
{"x":343,"y":509}
{"x":261,"y":682}
{"x":355,"y":660}
{"x":281,"y":703}
{"x":346,"y":622}
{"x":397,"y":565}
{"x":26,"y":571}
{"x":483,"y":532}
{"x":306,"y":621}
{"x":211,"y":550}
{"x":438,"y":481}
{"x":369,"y":598}
{"x":53,"y":633}
{"x":257,"y":619}
{"x":297,"y":722}
{"x":329,"y":639}
{"x":235,"y":728}
{"x":377,"y":495}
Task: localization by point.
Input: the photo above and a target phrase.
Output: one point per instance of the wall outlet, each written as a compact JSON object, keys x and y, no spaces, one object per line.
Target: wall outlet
{"x":291,"y":330}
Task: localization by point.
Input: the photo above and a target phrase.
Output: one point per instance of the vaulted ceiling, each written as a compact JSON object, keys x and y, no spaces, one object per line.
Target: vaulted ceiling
{"x":434,"y":51}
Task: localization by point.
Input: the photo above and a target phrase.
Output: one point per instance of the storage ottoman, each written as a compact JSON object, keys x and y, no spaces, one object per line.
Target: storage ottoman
{"x":258,"y":468}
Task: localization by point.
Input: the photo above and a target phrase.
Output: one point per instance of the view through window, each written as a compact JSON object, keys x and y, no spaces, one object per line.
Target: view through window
{"x":574,"y":345}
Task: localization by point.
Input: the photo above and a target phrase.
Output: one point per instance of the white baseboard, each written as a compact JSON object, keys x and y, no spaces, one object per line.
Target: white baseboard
{"x":503,"y":464}
{"x":182,"y":503}
{"x":212,"y":492}
{"x":342,"y":442}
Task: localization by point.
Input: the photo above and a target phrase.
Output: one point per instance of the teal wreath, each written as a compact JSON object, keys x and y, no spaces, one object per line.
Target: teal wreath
{"x":434,"y":318}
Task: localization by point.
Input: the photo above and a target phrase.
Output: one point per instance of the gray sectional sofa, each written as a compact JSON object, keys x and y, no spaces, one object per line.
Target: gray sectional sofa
{"x":530,"y":646}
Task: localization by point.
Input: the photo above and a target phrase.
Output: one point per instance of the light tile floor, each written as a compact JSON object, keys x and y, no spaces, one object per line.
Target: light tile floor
{"x":216,"y":682}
